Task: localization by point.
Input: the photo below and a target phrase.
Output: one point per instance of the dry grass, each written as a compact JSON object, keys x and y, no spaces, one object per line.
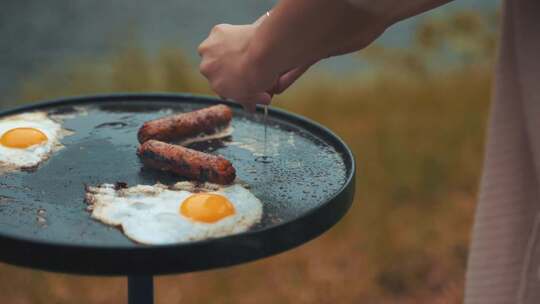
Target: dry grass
{"x":417,"y":134}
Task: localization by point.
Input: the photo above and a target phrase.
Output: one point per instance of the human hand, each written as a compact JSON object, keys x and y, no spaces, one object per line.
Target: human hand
{"x":230,"y":70}
{"x":233,"y":73}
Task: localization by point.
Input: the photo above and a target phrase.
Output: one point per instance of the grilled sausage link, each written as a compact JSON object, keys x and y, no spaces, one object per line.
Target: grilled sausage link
{"x":186,"y":162}
{"x":186,"y":125}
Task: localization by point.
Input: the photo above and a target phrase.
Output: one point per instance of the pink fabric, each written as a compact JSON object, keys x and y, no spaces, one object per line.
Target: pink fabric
{"x":504,"y":260}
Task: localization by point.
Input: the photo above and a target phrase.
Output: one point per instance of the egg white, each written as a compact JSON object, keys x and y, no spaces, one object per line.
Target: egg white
{"x":13,"y":158}
{"x":151,"y":214}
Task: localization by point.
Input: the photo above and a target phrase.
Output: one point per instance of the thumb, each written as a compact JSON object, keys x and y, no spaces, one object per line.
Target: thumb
{"x":264,"y":98}
{"x":287,"y":79}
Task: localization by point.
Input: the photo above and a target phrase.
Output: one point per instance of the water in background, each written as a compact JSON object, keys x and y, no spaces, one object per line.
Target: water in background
{"x":44,"y":34}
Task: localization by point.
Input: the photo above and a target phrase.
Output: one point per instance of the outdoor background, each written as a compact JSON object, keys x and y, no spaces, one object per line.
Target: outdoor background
{"x":413,"y":107}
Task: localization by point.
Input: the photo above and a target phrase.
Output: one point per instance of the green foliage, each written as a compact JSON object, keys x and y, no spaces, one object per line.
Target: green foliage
{"x":418,"y":144}
{"x":450,"y":42}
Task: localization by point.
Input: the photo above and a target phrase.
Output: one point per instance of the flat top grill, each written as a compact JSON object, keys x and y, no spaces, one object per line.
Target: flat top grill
{"x":306,"y":188}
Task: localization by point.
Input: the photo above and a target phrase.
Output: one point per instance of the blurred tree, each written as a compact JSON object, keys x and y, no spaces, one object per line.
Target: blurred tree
{"x":450,"y":42}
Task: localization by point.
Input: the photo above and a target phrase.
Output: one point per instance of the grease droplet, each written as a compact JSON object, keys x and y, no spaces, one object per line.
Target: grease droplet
{"x":265,"y":159}
{"x":114,"y":125}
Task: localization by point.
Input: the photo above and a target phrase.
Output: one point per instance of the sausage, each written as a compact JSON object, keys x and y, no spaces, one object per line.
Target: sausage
{"x":186,"y":162}
{"x":181,"y":126}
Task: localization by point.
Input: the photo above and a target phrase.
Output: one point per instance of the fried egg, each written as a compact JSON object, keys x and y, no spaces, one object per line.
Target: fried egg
{"x":183,"y":212}
{"x":26,"y":140}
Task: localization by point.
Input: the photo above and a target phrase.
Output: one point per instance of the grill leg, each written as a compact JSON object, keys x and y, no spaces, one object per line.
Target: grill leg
{"x":140,"y":290}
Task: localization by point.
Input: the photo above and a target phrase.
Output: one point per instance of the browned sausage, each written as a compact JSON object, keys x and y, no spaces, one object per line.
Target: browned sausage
{"x":186,"y":125}
{"x":186,"y":162}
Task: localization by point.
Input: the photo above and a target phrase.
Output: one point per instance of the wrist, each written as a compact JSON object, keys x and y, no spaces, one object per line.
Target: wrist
{"x":260,"y":64}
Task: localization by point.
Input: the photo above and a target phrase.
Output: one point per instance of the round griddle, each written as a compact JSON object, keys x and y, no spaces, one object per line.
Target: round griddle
{"x":307,"y":188}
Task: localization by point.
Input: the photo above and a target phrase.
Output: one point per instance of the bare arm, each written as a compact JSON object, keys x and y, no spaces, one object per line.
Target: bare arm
{"x":270,"y":55}
{"x":300,"y":31}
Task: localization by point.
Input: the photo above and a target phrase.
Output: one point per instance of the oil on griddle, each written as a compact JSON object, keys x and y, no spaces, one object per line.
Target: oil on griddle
{"x":301,"y":176}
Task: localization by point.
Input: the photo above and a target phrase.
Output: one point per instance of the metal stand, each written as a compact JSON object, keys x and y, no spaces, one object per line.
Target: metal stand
{"x":140,"y":290}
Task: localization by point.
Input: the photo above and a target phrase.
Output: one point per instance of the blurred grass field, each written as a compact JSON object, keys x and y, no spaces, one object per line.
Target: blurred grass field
{"x":416,"y":123}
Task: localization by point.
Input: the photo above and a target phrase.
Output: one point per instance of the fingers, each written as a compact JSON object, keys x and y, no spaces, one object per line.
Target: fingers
{"x":201,"y":48}
{"x":263,"y":98}
{"x":215,"y":31}
{"x":219,"y":28}
{"x":250,"y":103}
{"x":224,"y":64}
{"x":287,"y":79}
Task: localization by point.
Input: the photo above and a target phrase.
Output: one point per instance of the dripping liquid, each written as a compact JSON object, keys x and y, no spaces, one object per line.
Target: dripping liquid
{"x":265,"y":158}
{"x":265,"y":129}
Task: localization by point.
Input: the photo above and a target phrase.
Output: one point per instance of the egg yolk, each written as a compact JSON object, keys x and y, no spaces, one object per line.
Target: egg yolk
{"x":22,"y":138}
{"x":207,"y":207}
